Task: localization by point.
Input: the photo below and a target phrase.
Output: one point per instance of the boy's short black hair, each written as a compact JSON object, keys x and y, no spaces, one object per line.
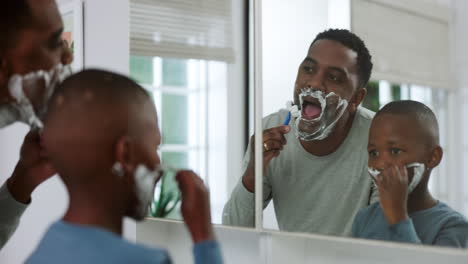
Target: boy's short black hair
{"x":106,"y":85}
{"x":14,"y":15}
{"x":352,"y":41}
{"x":413,"y":109}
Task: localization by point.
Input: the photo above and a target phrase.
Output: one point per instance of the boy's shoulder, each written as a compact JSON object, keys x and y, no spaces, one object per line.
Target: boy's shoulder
{"x":68,"y":243}
{"x":448,"y":215}
{"x":369,"y":212}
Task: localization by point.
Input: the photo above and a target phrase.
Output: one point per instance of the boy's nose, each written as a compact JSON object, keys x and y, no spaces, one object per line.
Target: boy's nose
{"x":381,"y":164}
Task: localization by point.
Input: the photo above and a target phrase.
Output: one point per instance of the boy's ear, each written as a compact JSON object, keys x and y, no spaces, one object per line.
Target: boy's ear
{"x":357,"y":99}
{"x":435,"y":158}
{"x":125,"y":154}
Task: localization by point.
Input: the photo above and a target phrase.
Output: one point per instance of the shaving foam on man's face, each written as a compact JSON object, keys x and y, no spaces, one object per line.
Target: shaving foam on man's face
{"x":418,"y":171}
{"x":319,"y":114}
{"x":31,"y":93}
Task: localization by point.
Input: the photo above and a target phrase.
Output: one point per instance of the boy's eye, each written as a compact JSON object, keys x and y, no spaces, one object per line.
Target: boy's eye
{"x":396,"y":151}
{"x":373,"y":153}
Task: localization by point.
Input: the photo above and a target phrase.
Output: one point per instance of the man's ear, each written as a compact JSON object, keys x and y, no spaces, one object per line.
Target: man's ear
{"x":435,"y":158}
{"x":125,"y":154}
{"x":5,"y":96}
{"x":357,"y":99}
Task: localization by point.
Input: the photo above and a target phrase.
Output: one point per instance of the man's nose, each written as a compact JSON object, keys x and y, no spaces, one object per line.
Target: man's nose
{"x":315,"y":82}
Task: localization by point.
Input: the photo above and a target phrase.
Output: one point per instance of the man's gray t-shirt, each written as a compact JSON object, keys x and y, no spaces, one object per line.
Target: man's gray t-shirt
{"x":11,"y":211}
{"x":311,"y":193}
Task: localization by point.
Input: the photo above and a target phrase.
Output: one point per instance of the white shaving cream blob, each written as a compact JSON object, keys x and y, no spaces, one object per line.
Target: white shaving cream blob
{"x":418,"y":168}
{"x":22,"y":109}
{"x":145,"y":180}
{"x":320,"y":128}
{"x":294,"y":109}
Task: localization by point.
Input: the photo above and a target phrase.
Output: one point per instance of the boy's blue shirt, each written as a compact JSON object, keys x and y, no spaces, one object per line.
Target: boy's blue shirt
{"x":439,"y":225}
{"x":70,"y":243}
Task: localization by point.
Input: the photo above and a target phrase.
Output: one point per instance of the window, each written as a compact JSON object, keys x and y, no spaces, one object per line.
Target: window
{"x":180,"y":89}
{"x":190,"y":55}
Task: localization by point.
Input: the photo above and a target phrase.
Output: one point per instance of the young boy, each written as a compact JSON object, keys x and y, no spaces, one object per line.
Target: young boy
{"x":403,"y":149}
{"x":101,"y":134}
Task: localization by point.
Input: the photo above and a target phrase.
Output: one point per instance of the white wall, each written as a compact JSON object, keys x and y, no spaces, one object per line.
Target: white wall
{"x":458,"y":187}
{"x":106,"y":46}
{"x":288,"y":29}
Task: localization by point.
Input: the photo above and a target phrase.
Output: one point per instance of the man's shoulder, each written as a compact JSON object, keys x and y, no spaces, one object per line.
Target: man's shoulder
{"x":365,"y":115}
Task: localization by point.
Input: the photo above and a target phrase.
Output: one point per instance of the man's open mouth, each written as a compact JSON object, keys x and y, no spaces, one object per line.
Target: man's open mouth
{"x":311,"y":108}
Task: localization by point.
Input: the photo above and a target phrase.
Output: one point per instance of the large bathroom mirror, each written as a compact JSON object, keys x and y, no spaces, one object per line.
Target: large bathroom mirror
{"x":192,"y":57}
{"x":319,"y":99}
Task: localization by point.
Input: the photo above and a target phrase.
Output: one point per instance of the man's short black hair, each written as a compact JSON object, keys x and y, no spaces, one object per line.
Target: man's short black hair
{"x":14,"y":15}
{"x":419,"y":112}
{"x":352,"y":41}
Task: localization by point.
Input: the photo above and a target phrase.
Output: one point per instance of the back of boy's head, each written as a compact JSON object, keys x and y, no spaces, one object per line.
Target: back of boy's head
{"x":422,"y":116}
{"x":88,"y":113}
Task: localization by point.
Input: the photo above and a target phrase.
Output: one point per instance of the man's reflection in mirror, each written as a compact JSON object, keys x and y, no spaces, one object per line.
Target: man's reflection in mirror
{"x":315,"y":165}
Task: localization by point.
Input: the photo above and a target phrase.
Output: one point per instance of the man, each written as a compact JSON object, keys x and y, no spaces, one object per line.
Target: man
{"x":102,"y":135}
{"x":316,"y":169}
{"x":30,"y":40}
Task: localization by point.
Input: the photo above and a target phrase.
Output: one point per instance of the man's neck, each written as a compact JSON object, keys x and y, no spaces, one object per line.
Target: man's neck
{"x":94,"y":211}
{"x":333,"y":141}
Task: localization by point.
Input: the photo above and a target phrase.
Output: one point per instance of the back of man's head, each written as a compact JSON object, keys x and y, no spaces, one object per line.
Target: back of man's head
{"x":88,"y":114}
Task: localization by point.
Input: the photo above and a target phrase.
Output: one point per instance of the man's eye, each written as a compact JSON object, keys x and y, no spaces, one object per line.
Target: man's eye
{"x":308,"y":68}
{"x":334,"y":78}
{"x":373,"y":153}
{"x":56,"y":44}
{"x":396,"y":151}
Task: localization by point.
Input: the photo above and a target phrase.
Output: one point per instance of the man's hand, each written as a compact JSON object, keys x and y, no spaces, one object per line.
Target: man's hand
{"x":195,"y":206}
{"x":393,"y":193}
{"x":273,"y":143}
{"x":32,"y":169}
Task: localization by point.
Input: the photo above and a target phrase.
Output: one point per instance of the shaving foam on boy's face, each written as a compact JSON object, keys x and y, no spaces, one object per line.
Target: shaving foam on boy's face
{"x":418,"y":171}
{"x":319,"y":114}
{"x":145,"y":181}
{"x":40,"y":85}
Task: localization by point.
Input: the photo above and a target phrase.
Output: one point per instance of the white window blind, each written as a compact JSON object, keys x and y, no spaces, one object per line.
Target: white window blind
{"x":187,"y":29}
{"x":408,"y":40}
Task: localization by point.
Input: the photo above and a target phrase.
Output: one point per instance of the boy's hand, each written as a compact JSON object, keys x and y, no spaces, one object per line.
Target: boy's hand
{"x":195,"y":206}
{"x":393,"y":192}
{"x":32,"y":169}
